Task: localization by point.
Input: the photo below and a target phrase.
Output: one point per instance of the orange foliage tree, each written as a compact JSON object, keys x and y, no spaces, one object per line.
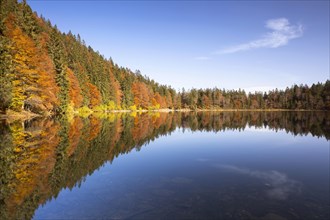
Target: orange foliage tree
{"x":141,"y":94}
{"x":33,"y":82}
{"x":94,"y":96}
{"x":25,"y":72}
{"x":47,"y":74}
{"x":160,"y":100}
{"x":74,"y":89}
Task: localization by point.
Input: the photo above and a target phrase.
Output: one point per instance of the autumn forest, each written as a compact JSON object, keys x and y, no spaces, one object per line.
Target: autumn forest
{"x":78,"y":130}
{"x":47,"y":72}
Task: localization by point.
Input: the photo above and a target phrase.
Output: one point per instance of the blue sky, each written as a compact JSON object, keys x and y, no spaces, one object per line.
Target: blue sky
{"x":254,"y":45}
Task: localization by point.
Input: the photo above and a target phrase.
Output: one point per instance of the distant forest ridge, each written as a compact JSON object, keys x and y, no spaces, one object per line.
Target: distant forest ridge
{"x":48,"y":72}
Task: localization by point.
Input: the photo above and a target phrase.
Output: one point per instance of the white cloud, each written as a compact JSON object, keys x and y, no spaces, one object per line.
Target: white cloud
{"x":281,"y":33}
{"x":280,"y":185}
{"x":202,"y":58}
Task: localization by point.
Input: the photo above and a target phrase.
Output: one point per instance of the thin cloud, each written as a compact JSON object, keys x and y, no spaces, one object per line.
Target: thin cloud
{"x":202,"y":58}
{"x":281,"y":33}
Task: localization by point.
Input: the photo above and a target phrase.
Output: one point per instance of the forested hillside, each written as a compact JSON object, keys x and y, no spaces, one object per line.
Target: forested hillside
{"x":45,"y":71}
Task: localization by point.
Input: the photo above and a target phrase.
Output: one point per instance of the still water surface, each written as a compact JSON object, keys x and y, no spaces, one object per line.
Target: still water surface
{"x":235,"y":165}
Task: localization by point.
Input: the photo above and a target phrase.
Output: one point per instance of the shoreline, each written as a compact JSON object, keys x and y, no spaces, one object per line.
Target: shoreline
{"x":22,"y":116}
{"x":26,"y":115}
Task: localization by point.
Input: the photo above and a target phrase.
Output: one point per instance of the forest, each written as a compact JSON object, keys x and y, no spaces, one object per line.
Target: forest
{"x":47,"y":72}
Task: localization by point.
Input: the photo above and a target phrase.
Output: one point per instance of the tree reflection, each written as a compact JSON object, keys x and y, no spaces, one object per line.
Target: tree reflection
{"x":41,"y":157}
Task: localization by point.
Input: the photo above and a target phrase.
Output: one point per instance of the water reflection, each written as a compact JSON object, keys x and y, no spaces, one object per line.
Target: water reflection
{"x":41,"y":157}
{"x":279,"y":184}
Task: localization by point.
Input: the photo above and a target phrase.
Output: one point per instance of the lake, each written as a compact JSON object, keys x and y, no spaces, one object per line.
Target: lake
{"x":222,"y":165}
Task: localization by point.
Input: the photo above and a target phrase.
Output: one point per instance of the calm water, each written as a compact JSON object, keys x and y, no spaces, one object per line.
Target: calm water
{"x":235,"y":165}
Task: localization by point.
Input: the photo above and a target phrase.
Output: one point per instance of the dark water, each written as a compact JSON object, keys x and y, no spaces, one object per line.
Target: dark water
{"x":234,"y":165}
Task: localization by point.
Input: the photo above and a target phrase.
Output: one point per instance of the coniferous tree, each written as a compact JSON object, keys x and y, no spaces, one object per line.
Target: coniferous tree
{"x":5,"y":70}
{"x":56,"y":51}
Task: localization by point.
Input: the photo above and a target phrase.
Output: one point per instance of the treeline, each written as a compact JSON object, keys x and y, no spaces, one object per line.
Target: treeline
{"x":63,"y":152}
{"x":45,"y":71}
{"x":296,"y":123}
{"x":297,"y":97}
